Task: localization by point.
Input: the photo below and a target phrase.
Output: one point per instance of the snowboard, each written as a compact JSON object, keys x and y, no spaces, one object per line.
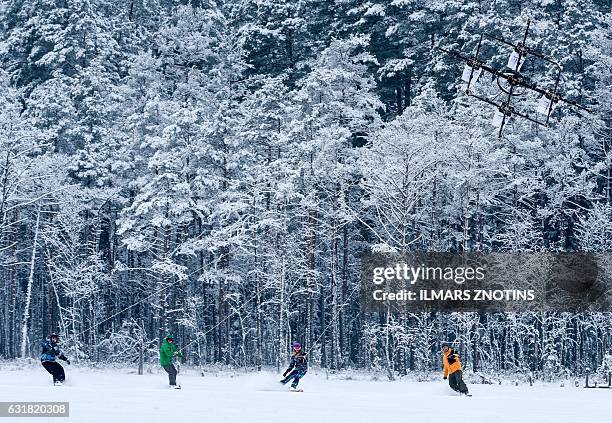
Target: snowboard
{"x":58,"y":383}
{"x":296,"y":390}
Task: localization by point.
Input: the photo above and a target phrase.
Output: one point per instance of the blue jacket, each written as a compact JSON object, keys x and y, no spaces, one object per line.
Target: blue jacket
{"x":50,"y":351}
{"x":299,"y":362}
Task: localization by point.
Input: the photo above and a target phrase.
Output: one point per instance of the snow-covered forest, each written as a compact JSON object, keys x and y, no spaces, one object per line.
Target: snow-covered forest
{"x":216,"y":169}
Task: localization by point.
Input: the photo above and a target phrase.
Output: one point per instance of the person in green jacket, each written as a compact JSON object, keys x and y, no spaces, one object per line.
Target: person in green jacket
{"x":167,"y":352}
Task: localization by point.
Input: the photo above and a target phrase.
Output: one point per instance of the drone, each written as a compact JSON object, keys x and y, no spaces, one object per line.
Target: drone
{"x":514,"y":82}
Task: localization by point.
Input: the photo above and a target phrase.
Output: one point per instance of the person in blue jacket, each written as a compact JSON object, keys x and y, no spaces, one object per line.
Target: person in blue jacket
{"x":298,"y":366}
{"x":50,"y":352}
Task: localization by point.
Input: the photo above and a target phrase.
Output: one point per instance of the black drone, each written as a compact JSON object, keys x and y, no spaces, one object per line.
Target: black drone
{"x":512,"y":82}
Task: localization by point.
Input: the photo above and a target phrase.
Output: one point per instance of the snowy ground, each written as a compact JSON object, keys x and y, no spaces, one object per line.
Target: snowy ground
{"x":120,"y":397}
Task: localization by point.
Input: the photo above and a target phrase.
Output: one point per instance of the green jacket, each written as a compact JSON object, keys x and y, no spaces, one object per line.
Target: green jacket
{"x":167,"y":353}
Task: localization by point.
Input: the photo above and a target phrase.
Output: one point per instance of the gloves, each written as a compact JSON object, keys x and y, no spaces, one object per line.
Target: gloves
{"x":445,"y":378}
{"x":285,"y":374}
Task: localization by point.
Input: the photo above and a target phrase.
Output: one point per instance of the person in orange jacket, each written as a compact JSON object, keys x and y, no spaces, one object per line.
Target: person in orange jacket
{"x":452,"y":370}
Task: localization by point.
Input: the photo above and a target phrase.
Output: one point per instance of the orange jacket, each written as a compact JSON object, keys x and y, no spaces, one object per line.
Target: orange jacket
{"x":451,"y":362}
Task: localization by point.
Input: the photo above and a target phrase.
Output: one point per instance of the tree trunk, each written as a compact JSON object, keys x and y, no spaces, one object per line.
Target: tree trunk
{"x":281,"y":319}
{"x":388,"y":356}
{"x":26,"y":309}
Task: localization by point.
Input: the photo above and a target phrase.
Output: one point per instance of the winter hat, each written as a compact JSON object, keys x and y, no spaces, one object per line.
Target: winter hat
{"x":169,"y":336}
{"x":297,"y":346}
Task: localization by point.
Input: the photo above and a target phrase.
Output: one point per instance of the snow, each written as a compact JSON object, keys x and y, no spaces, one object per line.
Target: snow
{"x":123,"y":396}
